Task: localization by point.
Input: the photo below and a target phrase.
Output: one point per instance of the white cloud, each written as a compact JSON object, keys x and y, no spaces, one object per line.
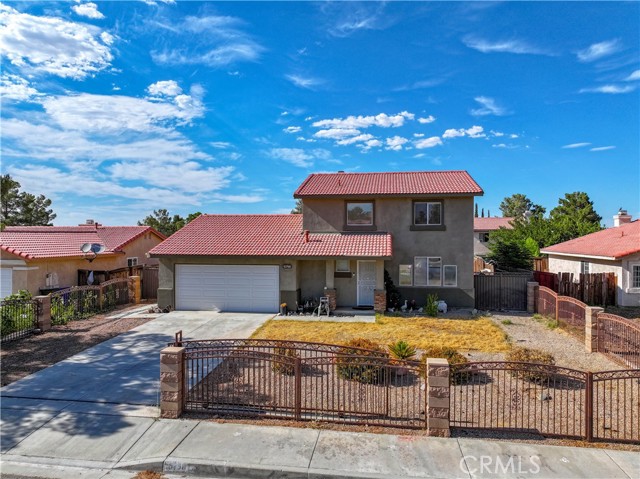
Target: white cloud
{"x":395,"y":143}
{"x":576,"y":145}
{"x":428,"y":142}
{"x":497,"y":134}
{"x":221,"y":145}
{"x":429,"y":119}
{"x":214,"y":41}
{"x":489,"y":107}
{"x":513,"y":135}
{"x":350,"y":17}
{"x":610,"y":89}
{"x":89,"y":10}
{"x":367,"y":145}
{"x":165,"y":88}
{"x":418,"y":135}
{"x":296,"y":156}
{"x":308,"y":140}
{"x":243,"y":199}
{"x":336,"y":133}
{"x":603,"y":148}
{"x":14,"y":87}
{"x":473,"y":132}
{"x":304,"y":82}
{"x":633,"y":76}
{"x":292,"y":129}
{"x":355,"y":139}
{"x":504,"y":145}
{"x":52,"y":45}
{"x":599,"y":50}
{"x":503,"y":46}
{"x":381,"y":120}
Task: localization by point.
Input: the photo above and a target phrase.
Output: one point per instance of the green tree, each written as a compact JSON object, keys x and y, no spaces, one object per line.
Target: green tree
{"x":166,"y":224}
{"x":509,"y":254}
{"x":516,"y":205}
{"x":297,"y":209}
{"x":574,"y":216}
{"x":475,"y":213}
{"x":22,"y":208}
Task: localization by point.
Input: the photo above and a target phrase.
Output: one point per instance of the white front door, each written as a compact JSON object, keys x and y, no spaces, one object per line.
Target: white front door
{"x":366,"y":282}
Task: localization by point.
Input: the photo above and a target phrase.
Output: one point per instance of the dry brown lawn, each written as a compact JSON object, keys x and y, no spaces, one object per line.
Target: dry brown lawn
{"x":462,"y":334}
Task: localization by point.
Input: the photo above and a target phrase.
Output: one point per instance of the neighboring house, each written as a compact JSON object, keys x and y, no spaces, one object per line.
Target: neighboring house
{"x":482,"y":228}
{"x":44,"y":258}
{"x":416,"y":225}
{"x":613,"y":250}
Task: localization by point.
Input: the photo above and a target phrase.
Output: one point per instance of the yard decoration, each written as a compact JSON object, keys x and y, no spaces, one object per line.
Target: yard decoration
{"x":363,"y":361}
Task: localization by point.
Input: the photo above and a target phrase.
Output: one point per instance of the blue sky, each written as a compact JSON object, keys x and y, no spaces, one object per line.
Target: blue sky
{"x":113,"y":109}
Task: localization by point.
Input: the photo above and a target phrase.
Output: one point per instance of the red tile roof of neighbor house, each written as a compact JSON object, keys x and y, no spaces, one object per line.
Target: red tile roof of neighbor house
{"x":404,"y":183}
{"x":267,"y":235}
{"x":612,"y":243}
{"x":34,"y":242}
{"x":491,"y":224}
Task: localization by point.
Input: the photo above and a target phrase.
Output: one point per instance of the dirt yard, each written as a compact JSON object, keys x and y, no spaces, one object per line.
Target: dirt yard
{"x":26,"y":356}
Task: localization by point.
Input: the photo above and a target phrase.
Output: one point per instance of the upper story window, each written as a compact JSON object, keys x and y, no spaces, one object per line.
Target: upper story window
{"x":427,"y":213}
{"x":360,"y":213}
{"x":483,"y":237}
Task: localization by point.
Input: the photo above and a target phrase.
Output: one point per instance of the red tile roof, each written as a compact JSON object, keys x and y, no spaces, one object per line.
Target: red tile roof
{"x":267,"y":235}
{"x":491,"y":224}
{"x":34,"y":242}
{"x":612,"y":243}
{"x":388,"y":184}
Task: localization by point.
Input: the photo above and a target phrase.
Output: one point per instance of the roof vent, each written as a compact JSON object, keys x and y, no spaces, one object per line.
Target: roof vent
{"x":90,"y":222}
{"x":341,"y":171}
{"x":622,"y":218}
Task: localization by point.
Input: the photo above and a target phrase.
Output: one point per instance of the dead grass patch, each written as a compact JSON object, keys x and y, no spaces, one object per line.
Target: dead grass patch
{"x":462,"y":334}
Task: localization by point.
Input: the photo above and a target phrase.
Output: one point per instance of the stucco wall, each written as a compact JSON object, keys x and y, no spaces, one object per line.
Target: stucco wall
{"x":33,"y":276}
{"x":395,"y":215}
{"x":312,"y":279}
{"x":625,"y":296}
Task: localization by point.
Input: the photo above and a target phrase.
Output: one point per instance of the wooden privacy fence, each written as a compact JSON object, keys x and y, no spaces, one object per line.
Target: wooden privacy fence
{"x":501,"y":291}
{"x":331,"y":383}
{"x":150,"y":282}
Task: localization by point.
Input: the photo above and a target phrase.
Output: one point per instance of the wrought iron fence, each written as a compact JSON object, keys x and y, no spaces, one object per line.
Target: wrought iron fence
{"x":18,"y":318}
{"x":616,"y":406}
{"x":114,"y":293}
{"x":546,"y":302}
{"x":522,"y":397}
{"x":303,"y":381}
{"x":619,"y":338}
{"x":571,"y":315}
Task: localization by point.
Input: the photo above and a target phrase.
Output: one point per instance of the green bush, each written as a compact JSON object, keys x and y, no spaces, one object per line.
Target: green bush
{"x":402,"y":350}
{"x":536,"y":372}
{"x":456,"y":361}
{"x":431,"y":306}
{"x":285,"y":365}
{"x":13,"y":317}
{"x":363,"y":361}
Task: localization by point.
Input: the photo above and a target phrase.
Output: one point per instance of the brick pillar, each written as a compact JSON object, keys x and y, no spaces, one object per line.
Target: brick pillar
{"x":135,"y":290}
{"x":380,"y":300}
{"x":172,"y":382}
{"x":532,"y":296}
{"x":438,"y":397}
{"x":44,"y":312}
{"x":591,"y":328}
{"x":332,"y":295}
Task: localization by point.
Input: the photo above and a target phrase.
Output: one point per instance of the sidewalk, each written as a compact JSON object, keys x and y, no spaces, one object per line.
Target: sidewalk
{"x":63,"y":439}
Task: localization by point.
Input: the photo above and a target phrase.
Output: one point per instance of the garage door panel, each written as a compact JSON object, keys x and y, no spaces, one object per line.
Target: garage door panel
{"x":227,"y":287}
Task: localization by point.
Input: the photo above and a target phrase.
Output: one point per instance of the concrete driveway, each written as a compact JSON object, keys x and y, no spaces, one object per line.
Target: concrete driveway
{"x":125,"y":369}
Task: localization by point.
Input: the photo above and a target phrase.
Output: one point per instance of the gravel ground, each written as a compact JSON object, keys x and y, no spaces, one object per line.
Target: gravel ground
{"x":527,"y":332}
{"x":26,"y":356}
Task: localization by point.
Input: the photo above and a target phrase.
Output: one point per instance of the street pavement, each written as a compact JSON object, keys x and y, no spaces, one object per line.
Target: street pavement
{"x":95,"y":416}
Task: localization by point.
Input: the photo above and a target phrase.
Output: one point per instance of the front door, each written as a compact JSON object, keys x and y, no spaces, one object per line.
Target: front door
{"x":366,"y":282}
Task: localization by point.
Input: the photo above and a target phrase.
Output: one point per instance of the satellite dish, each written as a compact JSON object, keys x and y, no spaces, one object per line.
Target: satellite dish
{"x":85,"y":248}
{"x":97,"y":248}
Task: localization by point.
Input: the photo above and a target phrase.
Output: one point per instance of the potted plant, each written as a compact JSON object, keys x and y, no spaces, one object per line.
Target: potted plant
{"x":401,"y":351}
{"x":283,"y":309}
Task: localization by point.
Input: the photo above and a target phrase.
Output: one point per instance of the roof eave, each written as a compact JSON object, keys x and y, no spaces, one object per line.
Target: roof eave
{"x":580,"y":255}
{"x":386,"y":195}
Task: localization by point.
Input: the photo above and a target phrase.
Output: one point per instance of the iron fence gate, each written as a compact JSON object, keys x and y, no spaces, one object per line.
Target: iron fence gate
{"x":502,"y":291}
{"x":18,"y":318}
{"x":619,"y":339}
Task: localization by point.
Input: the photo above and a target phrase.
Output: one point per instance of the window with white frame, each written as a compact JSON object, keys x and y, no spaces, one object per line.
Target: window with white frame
{"x":635,"y":276}
{"x":406,"y":278}
{"x":360,"y":213}
{"x":131,"y":262}
{"x":450,"y":277}
{"x":429,"y":271}
{"x":427,"y":213}
{"x":584,"y":267}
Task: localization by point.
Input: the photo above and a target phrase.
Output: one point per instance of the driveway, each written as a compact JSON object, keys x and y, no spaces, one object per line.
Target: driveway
{"x":125,"y":370}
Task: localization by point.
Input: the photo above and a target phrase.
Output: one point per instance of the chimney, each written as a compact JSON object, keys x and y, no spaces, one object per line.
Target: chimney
{"x":622,"y":218}
{"x":306,"y":236}
{"x":90,"y":222}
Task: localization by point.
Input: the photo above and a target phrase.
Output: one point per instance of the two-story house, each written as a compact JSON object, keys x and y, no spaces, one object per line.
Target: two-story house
{"x":416,"y":225}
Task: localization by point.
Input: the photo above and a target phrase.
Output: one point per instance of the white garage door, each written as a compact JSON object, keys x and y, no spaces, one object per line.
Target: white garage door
{"x":6,"y":282}
{"x":227,"y":288}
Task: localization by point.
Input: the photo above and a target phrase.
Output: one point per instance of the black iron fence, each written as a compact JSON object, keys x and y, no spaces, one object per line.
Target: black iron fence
{"x":501,"y":291}
{"x":303,"y":381}
{"x":18,"y":318}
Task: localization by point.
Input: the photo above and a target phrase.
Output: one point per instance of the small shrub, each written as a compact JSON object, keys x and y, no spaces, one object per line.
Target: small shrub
{"x":359,"y":360}
{"x":283,"y":365}
{"x":431,"y":306}
{"x":456,"y":361}
{"x":13,"y":317}
{"x":536,"y":372}
{"x":506,"y":322}
{"x":401,"y":350}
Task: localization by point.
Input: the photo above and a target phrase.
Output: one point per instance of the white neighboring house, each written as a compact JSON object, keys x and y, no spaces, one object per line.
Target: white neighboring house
{"x":613,"y":250}
{"x":482,"y":229}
